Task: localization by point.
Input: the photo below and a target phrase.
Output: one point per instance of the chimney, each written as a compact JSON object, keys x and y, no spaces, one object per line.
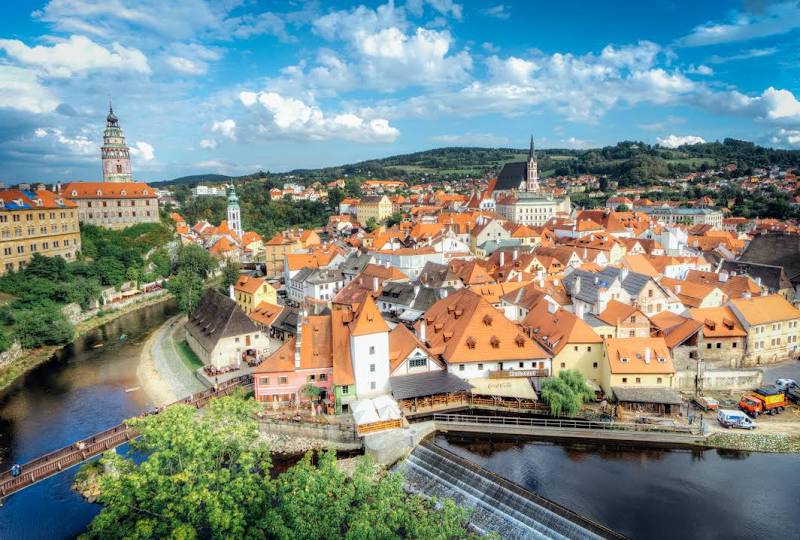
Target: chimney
{"x":551,"y":308}
{"x":678,"y":289}
{"x":514,"y":255}
{"x":421,"y":331}
{"x":231,"y":293}
{"x":386,"y":264}
{"x":647,"y":355}
{"x":746,"y":295}
{"x":540,"y":275}
{"x":374,"y":283}
{"x":502,"y":258}
{"x":758,"y":281}
{"x":576,"y":288}
{"x":623,"y":273}
{"x":723,"y":277}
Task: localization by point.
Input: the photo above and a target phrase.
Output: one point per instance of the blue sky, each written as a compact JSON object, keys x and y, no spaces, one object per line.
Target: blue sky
{"x":233,"y":86}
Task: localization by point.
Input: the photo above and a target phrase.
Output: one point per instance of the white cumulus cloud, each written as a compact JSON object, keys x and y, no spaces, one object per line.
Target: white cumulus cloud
{"x":226,"y":128}
{"x":208,"y":144}
{"x":184,"y":65}
{"x":77,"y":144}
{"x":674,"y":141}
{"x":143,"y":151}
{"x":76,"y":56}
{"x":293,"y":118}
{"x":786,"y":137}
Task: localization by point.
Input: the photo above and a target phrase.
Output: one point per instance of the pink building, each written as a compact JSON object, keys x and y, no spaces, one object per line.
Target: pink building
{"x":304,"y":359}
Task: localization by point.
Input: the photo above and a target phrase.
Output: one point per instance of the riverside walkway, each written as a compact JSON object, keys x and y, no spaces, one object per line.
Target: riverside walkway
{"x":54,"y":462}
{"x":570,"y":429}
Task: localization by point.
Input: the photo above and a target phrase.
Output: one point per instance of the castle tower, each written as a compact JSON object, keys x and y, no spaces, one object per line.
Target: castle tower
{"x":234,"y":213}
{"x":533,"y":171}
{"x":114,"y":152}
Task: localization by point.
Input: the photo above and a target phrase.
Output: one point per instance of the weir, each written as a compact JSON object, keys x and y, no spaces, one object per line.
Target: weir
{"x":500,"y":506}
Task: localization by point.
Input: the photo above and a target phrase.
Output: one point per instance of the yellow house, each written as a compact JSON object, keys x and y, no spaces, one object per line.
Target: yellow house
{"x":33,"y":222}
{"x":637,"y":363}
{"x":571,"y":341}
{"x":378,"y":208}
{"x":772,"y":325}
{"x":249,"y":292}
{"x":275,"y":251}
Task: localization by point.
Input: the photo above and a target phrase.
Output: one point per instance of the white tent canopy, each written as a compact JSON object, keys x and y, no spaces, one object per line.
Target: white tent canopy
{"x":367,"y":411}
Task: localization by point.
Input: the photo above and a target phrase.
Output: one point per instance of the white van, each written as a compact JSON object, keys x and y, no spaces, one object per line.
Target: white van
{"x":735,"y":419}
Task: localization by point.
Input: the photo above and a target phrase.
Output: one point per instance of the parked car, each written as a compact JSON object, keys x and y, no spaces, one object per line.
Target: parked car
{"x":793,"y":394}
{"x":734,"y":419}
{"x":706,"y":403}
{"x":785,"y":384}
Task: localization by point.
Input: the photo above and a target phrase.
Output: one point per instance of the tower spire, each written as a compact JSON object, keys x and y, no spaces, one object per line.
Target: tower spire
{"x":532,"y":151}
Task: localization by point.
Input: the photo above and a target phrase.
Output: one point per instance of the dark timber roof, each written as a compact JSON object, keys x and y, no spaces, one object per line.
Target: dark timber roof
{"x":428,"y":383}
{"x":218,"y":317}
{"x":773,"y":277}
{"x":511,"y":176}
{"x":776,"y":249}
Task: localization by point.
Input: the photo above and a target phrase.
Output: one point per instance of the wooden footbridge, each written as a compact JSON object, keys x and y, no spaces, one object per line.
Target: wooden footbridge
{"x":54,"y":462}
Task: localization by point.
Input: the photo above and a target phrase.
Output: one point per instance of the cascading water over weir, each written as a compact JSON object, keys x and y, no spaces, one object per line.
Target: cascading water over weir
{"x":500,"y":506}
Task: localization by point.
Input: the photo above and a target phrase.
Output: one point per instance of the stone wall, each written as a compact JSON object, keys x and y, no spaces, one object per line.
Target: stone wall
{"x":13,"y":353}
{"x":339,"y":433}
{"x":720,"y":379}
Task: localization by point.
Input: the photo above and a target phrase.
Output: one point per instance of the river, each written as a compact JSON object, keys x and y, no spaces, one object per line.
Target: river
{"x":644,"y":493}
{"x":653,"y":493}
{"x":81,"y":391}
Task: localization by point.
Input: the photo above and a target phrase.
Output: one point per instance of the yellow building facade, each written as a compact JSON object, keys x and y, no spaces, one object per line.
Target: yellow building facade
{"x":377,"y":208}
{"x":36,"y":221}
{"x":249,"y":292}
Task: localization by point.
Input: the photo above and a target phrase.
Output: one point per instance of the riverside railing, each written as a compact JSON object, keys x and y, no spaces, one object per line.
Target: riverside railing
{"x":564,"y":423}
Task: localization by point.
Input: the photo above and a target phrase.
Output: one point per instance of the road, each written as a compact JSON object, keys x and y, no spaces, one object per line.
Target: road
{"x":169,"y":363}
{"x":789,"y":369}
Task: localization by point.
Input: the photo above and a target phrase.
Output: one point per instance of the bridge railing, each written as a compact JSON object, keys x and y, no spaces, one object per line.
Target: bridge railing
{"x":562,"y":423}
{"x":83,"y":449}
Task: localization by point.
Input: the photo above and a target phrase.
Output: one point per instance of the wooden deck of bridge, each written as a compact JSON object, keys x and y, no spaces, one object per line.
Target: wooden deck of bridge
{"x":54,"y":462}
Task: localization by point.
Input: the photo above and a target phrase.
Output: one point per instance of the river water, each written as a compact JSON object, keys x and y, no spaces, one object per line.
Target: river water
{"x":653,"y":493}
{"x":643,"y":493}
{"x":81,"y":391}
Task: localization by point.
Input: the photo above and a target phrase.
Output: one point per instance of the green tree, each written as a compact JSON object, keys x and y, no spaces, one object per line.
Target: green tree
{"x":42,"y":325}
{"x":186,"y":287}
{"x":207,"y":475}
{"x":195,"y":259}
{"x":204,"y":477}
{"x":310,"y":391}
{"x":230,"y":275}
{"x":371,"y":224}
{"x":566,"y":393}
{"x":394,"y":219}
{"x":111,"y":271}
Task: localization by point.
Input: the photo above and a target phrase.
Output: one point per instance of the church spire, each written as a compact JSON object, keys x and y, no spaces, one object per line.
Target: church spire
{"x":531,"y":152}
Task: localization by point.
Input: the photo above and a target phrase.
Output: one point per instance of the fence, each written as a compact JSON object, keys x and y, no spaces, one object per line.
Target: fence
{"x":563,"y":423}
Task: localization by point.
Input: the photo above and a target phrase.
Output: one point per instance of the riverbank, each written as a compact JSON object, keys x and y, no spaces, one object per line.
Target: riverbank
{"x":31,"y":358}
{"x":162,"y":373}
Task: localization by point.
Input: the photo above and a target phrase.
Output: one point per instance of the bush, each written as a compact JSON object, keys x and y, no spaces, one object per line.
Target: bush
{"x":566,"y":393}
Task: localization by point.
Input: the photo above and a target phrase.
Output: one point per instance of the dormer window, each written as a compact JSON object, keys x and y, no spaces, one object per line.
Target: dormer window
{"x":38,"y":202}
{"x":494,"y":342}
{"x":123,"y":193}
{"x":520,"y":341}
{"x":471,"y":342}
{"x":487,"y":320}
{"x":661,"y":360}
{"x":99,"y":193}
{"x":624,"y":360}
{"x":74,"y":193}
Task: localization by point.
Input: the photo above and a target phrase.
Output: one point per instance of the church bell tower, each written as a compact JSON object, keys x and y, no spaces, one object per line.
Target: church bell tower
{"x":533,"y":170}
{"x":114,"y":152}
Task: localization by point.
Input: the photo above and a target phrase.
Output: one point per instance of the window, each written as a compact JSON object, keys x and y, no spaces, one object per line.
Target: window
{"x":460,"y":367}
{"x":563,"y":364}
{"x":734,"y":344}
{"x":372,"y":385}
{"x":658,"y":380}
{"x":480,"y":367}
{"x":311,"y":378}
{"x":588,"y":348}
{"x":323,"y":377}
{"x":708,"y":345}
{"x":418,"y":362}
{"x":631,"y":333}
{"x":633,"y":319}
{"x":283,"y":380}
{"x":576,"y":347}
{"x":719,"y":345}
{"x":263,"y":380}
{"x":345,"y":389}
{"x":372,"y":349}
{"x":522,"y":364}
{"x":638,"y":380}
{"x":624,"y":380}
{"x":594,"y":364}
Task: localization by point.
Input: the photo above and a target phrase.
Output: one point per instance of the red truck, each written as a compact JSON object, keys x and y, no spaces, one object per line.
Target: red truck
{"x":766,"y":400}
